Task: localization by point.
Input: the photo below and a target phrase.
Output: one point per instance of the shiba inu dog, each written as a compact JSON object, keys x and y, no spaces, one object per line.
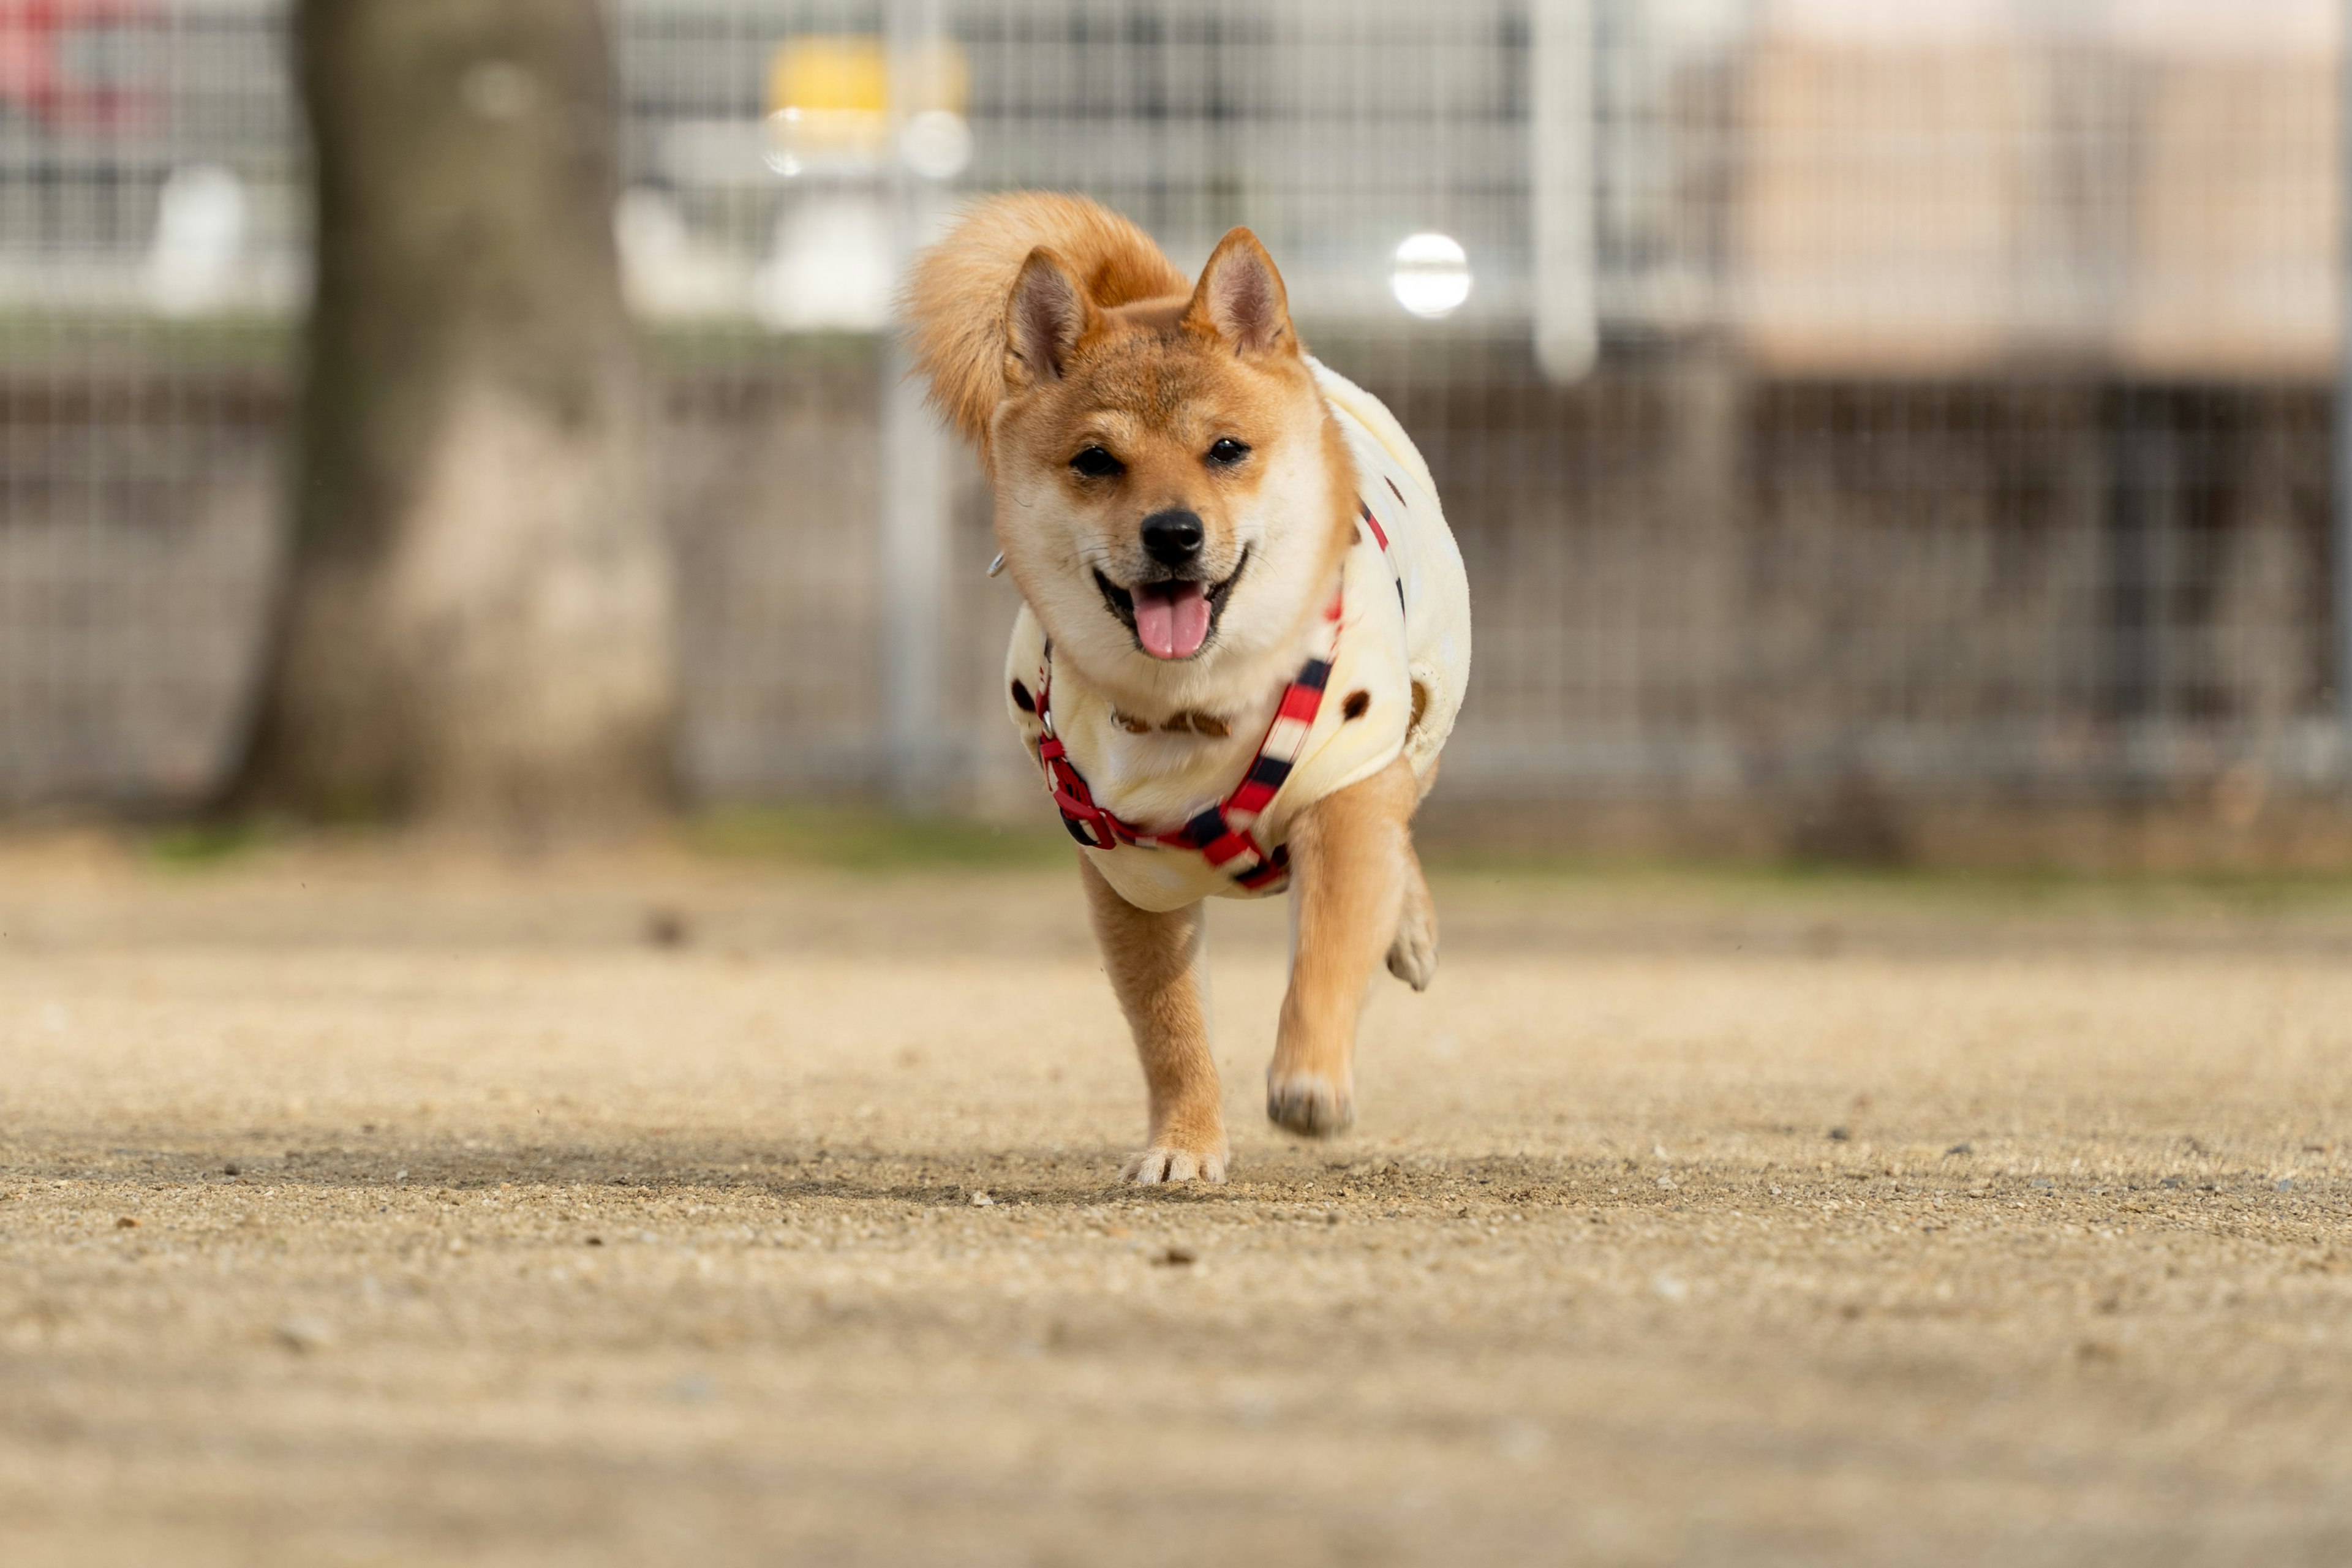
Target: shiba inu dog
{"x":1245,"y":630}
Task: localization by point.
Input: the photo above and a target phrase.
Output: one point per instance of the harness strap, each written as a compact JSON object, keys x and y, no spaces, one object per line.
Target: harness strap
{"x":1219,"y":834}
{"x":1380,"y":537}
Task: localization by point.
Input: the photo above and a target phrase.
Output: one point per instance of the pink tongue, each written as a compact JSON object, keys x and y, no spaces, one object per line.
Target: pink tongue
{"x":1171,"y":619}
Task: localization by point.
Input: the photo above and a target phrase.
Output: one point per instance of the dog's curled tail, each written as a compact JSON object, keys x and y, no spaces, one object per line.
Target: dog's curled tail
{"x":956,"y":298}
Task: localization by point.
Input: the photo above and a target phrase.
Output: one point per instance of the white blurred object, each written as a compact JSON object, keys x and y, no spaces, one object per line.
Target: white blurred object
{"x":665,"y":273}
{"x":935,"y":145}
{"x":1566,"y":308}
{"x":1433,"y":275}
{"x":651,"y":235}
{"x":200,"y":220}
{"x":830,"y":266}
{"x":715,"y":153}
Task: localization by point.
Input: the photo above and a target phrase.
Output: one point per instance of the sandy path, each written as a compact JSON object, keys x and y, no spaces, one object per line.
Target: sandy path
{"x":547,"y":1243}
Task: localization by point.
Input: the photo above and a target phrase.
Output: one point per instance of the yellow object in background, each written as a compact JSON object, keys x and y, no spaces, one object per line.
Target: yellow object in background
{"x":829,"y":97}
{"x":838,"y":73}
{"x":849,"y":73}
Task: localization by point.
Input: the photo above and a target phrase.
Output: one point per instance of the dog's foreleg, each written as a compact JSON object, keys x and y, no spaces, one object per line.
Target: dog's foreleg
{"x":1349,"y":855}
{"x":1156,"y":963}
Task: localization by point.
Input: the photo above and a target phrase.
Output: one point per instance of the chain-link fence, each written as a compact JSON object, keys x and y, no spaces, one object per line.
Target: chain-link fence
{"x":1834,"y":399}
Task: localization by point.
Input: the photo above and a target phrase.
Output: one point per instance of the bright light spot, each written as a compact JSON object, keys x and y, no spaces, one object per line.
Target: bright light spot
{"x":935,"y":145}
{"x":782,"y":155}
{"x":1433,"y":275}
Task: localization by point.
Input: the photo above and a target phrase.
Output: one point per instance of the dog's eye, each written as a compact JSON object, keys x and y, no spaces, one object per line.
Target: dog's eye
{"x":1096,"y":464}
{"x":1224,"y":452}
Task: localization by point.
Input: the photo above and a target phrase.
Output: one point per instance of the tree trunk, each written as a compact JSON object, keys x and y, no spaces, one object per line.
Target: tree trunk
{"x":476,"y":625}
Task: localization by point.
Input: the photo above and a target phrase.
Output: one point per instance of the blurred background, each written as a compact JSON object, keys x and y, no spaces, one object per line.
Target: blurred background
{"x":1877,"y":432}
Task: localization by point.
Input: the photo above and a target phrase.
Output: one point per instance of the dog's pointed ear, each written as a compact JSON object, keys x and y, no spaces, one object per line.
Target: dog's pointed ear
{"x":1241,"y":300}
{"x":1047,"y":318}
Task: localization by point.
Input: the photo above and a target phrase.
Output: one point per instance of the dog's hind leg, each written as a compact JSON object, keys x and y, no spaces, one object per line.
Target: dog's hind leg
{"x":1349,"y":857}
{"x":1412,"y":956}
{"x":1158,"y":968}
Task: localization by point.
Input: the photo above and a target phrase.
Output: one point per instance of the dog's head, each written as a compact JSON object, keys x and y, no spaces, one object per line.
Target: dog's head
{"x":1166,"y":472}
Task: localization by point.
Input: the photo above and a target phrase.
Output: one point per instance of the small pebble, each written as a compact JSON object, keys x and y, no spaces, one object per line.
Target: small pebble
{"x":127,"y":1223}
{"x":665,"y":928}
{"x":596,"y":1241}
{"x":1174,"y":1258}
{"x":232,"y":1169}
{"x":1521,"y":1442}
{"x":1961,"y":1149}
{"x":1840,"y":1134}
{"x":305,"y":1334}
{"x":2286,"y":1185}
{"x":982,"y":1201}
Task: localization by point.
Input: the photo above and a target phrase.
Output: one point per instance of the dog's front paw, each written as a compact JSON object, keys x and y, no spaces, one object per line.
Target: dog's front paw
{"x":1310,"y":1104}
{"x":1163,"y":1163}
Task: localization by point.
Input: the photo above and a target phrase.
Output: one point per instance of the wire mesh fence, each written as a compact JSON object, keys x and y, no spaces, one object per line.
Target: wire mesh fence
{"x":1927,"y":401}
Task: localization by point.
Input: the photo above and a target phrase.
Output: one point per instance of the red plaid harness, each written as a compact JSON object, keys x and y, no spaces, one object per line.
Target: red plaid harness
{"x":1220,"y":833}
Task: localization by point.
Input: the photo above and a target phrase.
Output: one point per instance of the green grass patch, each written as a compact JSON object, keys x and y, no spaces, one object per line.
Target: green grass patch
{"x":148,"y":345}
{"x":193,"y":845}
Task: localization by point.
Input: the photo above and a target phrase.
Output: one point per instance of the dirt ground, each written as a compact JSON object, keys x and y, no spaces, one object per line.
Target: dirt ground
{"x":364,"y":1206}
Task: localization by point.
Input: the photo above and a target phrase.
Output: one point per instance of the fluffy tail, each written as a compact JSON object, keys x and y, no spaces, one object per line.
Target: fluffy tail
{"x":955,"y":300}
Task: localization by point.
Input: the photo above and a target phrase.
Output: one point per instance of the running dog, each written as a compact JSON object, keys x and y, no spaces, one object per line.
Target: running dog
{"x":1245,"y":635}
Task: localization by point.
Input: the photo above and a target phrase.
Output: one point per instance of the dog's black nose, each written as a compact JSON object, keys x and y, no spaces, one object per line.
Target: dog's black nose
{"x":1172,"y":538}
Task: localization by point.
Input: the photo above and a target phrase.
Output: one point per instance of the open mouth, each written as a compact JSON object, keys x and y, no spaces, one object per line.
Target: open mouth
{"x":1173,"y":618}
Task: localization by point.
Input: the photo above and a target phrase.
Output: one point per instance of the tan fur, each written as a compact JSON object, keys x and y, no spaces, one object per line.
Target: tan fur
{"x":1155,"y":965}
{"x":956,"y":298}
{"x":1045,"y":325}
{"x":1351,"y":858}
